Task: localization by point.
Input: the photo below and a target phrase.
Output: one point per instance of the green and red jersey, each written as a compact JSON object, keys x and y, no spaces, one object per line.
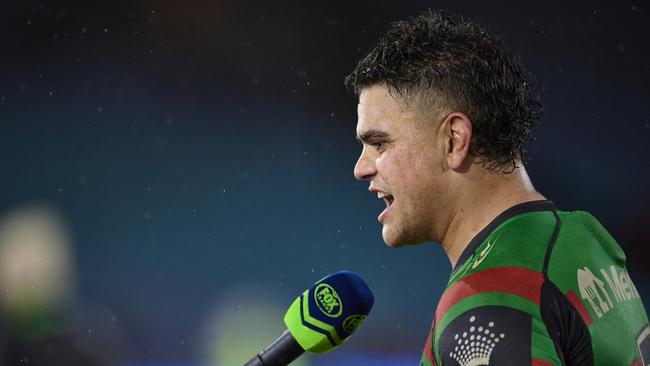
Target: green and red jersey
{"x":540,"y":287}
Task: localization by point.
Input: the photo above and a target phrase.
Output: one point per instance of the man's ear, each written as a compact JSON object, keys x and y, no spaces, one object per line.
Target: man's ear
{"x":459,"y":138}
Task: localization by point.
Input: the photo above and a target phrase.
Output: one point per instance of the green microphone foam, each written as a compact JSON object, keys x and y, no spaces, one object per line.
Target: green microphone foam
{"x":326,"y":314}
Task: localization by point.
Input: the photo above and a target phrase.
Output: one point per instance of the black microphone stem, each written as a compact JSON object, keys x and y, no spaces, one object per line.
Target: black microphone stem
{"x":281,"y":352}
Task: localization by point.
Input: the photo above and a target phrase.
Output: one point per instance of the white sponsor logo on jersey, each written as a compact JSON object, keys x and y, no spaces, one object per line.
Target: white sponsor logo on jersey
{"x":593,"y":289}
{"x":474,"y":346}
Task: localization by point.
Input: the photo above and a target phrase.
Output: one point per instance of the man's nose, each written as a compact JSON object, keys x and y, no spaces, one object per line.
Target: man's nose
{"x":365,"y":168}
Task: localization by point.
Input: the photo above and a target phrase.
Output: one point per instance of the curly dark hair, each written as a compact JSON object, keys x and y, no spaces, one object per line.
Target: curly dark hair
{"x":456,"y":64}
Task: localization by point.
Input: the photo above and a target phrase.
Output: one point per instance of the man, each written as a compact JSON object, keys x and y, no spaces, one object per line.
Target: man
{"x":444,"y":113}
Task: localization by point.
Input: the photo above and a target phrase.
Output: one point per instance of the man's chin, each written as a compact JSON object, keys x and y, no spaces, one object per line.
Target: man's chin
{"x":393,"y":239}
{"x":393,"y":244}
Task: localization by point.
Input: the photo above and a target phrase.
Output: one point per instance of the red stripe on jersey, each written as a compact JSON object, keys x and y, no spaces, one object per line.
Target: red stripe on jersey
{"x":428,"y":352}
{"x":518,"y":281}
{"x":540,"y":362}
{"x":637,"y":362}
{"x":580,"y":307}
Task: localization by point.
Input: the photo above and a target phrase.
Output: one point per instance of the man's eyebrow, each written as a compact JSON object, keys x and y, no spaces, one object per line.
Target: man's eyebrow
{"x":366,"y":135}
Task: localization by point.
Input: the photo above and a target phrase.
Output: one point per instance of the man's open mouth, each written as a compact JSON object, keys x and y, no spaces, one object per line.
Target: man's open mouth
{"x":388,"y":199}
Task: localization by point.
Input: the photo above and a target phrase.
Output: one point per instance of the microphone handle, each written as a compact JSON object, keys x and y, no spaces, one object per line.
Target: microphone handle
{"x":281,"y":352}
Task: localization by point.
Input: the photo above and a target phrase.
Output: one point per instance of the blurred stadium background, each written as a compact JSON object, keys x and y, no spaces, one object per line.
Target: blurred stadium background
{"x":174,"y":174}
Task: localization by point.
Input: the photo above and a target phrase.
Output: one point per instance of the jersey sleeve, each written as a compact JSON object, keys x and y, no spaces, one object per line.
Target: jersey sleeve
{"x":490,"y":335}
{"x":493,"y":317}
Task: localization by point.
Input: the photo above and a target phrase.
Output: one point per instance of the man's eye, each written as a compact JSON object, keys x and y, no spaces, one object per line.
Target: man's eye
{"x":378,"y":145}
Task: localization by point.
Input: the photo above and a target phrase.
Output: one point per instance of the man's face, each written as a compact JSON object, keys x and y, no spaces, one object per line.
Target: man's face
{"x":402,"y":158}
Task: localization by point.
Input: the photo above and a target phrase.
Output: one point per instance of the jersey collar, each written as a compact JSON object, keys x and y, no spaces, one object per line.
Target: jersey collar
{"x":541,"y":205}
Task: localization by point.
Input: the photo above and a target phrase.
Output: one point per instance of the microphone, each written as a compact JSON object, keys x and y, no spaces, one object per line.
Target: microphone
{"x":320,"y":319}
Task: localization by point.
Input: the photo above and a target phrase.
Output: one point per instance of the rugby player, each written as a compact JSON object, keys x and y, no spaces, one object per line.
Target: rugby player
{"x":444,"y":112}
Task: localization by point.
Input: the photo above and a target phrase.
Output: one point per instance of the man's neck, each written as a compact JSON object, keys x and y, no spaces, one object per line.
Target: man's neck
{"x":478,"y":206}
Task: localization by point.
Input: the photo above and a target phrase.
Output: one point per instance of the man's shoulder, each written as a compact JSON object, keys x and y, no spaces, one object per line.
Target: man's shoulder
{"x":534,"y":239}
{"x":521,"y":241}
